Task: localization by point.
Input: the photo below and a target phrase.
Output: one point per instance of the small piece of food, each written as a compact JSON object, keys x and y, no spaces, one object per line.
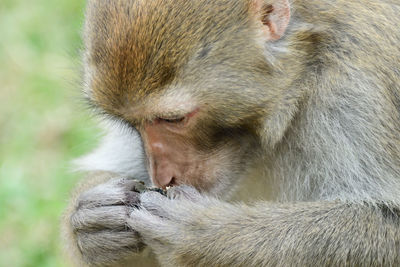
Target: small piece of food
{"x":159,"y":190}
{"x":140,"y":187}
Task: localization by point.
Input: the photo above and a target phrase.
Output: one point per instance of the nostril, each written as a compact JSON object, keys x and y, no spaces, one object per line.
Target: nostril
{"x":172,"y":182}
{"x":164,"y":181}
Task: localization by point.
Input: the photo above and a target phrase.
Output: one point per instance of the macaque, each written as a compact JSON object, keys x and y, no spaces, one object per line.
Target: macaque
{"x":200,"y":94}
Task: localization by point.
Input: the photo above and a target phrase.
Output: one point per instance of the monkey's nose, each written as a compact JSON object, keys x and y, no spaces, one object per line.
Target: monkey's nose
{"x":162,"y":180}
{"x":163,"y":177}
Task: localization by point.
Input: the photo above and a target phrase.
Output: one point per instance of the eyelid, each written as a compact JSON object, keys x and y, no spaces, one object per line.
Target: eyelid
{"x":176,"y":118}
{"x":173,"y":120}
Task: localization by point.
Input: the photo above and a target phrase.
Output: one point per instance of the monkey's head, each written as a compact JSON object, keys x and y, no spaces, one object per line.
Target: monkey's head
{"x":191,"y":76}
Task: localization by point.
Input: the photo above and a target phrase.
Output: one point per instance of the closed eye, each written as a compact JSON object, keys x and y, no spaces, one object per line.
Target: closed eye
{"x":177,"y":120}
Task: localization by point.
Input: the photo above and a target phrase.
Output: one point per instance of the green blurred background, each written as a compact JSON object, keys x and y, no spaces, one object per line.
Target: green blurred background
{"x":43,"y":125}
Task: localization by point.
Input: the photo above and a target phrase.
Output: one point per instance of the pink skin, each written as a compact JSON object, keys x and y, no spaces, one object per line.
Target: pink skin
{"x":170,"y":156}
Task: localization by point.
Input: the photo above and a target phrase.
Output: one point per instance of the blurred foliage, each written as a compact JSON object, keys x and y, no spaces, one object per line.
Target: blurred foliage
{"x":43,"y":125}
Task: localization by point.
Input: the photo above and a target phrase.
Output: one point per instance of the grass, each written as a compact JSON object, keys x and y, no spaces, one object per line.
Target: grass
{"x":43,"y":125}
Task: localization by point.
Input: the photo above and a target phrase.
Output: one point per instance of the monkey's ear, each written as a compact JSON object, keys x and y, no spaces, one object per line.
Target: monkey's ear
{"x":274,"y":16}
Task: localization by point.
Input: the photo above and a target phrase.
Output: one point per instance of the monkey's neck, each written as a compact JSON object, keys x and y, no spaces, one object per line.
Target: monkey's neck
{"x":326,"y":139}
{"x":332,"y":143}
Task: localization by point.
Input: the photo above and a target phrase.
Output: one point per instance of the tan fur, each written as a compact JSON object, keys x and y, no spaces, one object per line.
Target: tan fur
{"x":319,"y":108}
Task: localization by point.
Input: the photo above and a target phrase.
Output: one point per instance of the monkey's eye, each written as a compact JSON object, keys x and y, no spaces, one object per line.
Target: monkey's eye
{"x":177,"y":120}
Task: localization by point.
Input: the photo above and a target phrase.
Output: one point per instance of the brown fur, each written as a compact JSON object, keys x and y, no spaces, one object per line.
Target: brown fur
{"x":320,"y":108}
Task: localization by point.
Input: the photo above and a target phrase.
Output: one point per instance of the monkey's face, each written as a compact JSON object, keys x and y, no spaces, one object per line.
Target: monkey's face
{"x":192,"y":146}
{"x":191,"y":86}
{"x":188,"y":141}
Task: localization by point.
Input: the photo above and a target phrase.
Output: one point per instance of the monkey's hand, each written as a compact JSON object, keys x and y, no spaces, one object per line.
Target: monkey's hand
{"x":99,"y":222}
{"x":171,"y":226}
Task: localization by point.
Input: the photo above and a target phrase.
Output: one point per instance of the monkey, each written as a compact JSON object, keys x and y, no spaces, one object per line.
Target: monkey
{"x":198,"y":95}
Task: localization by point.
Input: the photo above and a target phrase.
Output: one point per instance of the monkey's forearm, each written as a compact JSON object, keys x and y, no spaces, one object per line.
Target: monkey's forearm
{"x":303,"y":234}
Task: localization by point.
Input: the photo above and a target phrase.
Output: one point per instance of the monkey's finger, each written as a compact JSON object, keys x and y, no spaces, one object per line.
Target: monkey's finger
{"x":106,"y":246}
{"x":128,"y":184}
{"x":118,"y":192}
{"x":155,"y":203}
{"x":114,"y":186}
{"x":118,"y":198}
{"x":184,"y":192}
{"x":100,"y":218}
{"x":172,"y":210}
{"x":150,"y":227}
